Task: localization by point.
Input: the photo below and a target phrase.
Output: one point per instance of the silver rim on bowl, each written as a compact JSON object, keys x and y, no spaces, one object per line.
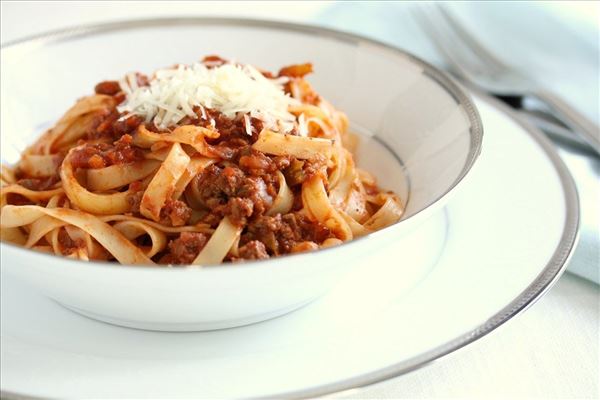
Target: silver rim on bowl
{"x":546,"y":278}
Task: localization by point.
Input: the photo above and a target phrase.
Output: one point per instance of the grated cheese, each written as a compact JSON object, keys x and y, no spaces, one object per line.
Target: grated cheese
{"x":233,"y":90}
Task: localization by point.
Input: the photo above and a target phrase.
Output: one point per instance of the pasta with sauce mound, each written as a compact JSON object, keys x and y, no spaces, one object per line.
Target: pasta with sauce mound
{"x":197,"y":164}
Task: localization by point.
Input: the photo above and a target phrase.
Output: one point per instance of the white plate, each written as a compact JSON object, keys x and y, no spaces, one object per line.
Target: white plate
{"x":509,"y":235}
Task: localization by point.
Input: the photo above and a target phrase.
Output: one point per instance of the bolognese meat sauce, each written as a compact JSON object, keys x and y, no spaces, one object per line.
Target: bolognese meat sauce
{"x":239,"y":184}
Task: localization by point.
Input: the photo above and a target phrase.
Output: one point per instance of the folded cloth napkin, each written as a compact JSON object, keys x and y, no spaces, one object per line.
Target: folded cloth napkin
{"x":560,"y":49}
{"x":585,"y":169}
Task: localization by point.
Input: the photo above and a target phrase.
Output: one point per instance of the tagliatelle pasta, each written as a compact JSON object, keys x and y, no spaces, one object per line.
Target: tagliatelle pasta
{"x":195,"y":165}
{"x":110,"y":238}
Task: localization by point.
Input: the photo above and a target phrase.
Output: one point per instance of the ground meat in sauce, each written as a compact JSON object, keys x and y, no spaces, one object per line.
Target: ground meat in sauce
{"x":296,"y":71}
{"x":36,"y":184}
{"x":174,"y":213}
{"x":228,"y":191}
{"x":294,"y":173}
{"x":226,"y":151}
{"x":228,"y":128}
{"x":16,"y":199}
{"x":238,"y":209}
{"x":103,"y":155}
{"x":212,"y":61}
{"x":233,"y":138}
{"x":108,"y":122}
{"x":281,"y":234}
{"x":112,"y":88}
{"x":127,"y":125}
{"x":300,"y":170}
{"x":311,"y":98}
{"x":39,"y":184}
{"x":257,"y":163}
{"x":314,"y":166}
{"x":110,"y":125}
{"x":67,"y":244}
{"x":102,"y":127}
{"x":253,"y":250}
{"x":134,"y":198}
{"x":109,"y":88}
{"x":185,"y":248}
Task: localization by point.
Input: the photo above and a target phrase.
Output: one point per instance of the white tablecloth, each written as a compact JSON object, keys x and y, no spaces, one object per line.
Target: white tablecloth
{"x":551,"y":350}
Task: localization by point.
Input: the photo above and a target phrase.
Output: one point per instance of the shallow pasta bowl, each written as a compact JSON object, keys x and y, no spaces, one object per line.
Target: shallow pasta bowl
{"x":420,"y":136}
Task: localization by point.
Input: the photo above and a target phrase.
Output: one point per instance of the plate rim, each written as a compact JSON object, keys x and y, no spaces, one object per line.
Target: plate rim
{"x":533,"y":292}
{"x":543,"y":282}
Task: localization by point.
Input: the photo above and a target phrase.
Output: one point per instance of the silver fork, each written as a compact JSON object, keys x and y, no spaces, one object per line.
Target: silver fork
{"x":471,"y":61}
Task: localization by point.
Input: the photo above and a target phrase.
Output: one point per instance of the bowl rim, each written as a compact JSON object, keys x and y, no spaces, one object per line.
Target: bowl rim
{"x":443,"y":80}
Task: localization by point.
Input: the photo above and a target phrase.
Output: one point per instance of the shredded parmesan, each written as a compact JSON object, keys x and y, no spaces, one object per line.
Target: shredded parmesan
{"x":302,"y":125}
{"x":234,"y":90}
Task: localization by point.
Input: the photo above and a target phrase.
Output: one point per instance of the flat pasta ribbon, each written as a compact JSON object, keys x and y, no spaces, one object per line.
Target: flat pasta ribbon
{"x":113,"y":203}
{"x":110,"y":238}
{"x":163,"y":184}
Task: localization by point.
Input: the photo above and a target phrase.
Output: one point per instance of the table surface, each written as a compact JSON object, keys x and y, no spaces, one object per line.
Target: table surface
{"x":550,"y":351}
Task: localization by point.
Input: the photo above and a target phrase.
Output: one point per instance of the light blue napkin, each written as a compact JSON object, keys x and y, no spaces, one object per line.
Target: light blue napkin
{"x":555,"y":44}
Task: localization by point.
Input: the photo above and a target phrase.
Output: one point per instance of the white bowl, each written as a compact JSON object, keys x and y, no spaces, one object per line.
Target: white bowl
{"x":421,"y":136}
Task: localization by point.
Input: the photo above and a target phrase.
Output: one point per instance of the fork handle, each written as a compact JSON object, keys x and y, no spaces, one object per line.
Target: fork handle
{"x":572,"y":118}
